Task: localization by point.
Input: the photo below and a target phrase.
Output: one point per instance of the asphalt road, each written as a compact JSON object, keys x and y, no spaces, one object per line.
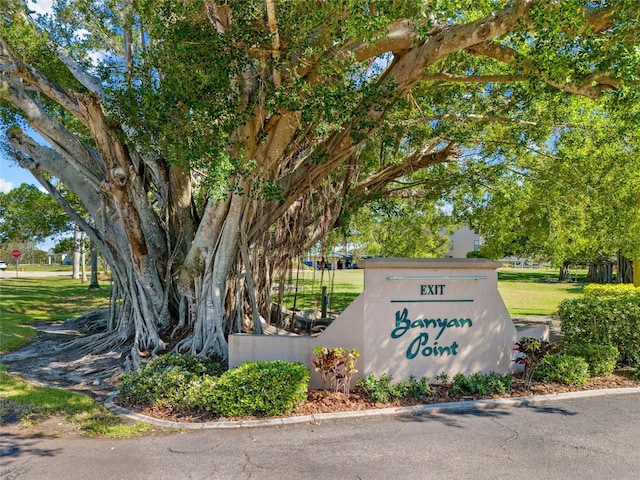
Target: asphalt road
{"x":594,"y":438}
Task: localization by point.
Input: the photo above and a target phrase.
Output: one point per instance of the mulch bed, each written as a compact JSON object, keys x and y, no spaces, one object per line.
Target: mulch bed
{"x":327,"y":401}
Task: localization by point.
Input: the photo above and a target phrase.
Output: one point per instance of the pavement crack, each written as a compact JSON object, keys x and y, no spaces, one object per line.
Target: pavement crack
{"x":514,"y":435}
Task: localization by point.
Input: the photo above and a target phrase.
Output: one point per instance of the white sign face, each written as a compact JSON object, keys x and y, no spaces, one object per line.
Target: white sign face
{"x":426,"y":317}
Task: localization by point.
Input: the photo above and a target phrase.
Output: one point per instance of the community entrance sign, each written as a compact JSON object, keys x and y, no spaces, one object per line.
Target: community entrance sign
{"x":417,"y":317}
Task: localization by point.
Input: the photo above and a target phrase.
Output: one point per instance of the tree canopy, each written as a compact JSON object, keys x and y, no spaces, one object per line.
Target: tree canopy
{"x":29,"y":215}
{"x":210,"y":141}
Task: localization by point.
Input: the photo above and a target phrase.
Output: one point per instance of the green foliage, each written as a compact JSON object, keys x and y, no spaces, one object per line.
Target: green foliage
{"x":261,"y":388}
{"x":606,"y":320}
{"x":193,"y":384}
{"x":533,"y":352}
{"x":602,"y":359}
{"x":336,"y":366}
{"x":595,"y":290}
{"x":171,"y":379}
{"x":398,"y":228}
{"x":30,"y":215}
{"x":384,"y":390}
{"x":480,"y":384}
{"x":565,"y":369}
{"x":381,"y":389}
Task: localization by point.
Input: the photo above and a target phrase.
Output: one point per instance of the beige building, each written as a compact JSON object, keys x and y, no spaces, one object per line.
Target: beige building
{"x":462,"y":241}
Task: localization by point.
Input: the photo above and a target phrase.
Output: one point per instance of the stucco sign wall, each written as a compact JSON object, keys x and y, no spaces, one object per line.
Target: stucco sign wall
{"x":424,"y":317}
{"x":417,"y":317}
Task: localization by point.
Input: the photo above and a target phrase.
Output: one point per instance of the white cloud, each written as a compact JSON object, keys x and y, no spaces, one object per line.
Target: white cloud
{"x":40,"y":6}
{"x":5,"y":186}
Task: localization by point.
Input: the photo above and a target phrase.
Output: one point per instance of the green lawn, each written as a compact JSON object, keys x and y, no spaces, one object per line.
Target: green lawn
{"x":534,"y":292}
{"x":24,"y":301}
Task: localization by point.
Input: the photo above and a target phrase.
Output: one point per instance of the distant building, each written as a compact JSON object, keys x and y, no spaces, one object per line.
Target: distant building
{"x":464,"y":240}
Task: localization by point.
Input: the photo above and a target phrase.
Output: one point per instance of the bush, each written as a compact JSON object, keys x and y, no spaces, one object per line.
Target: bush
{"x":596,"y":290}
{"x":601,"y":359}
{"x":261,"y":388}
{"x":480,"y":384}
{"x":383,"y":390}
{"x":565,"y":369}
{"x":171,"y":379}
{"x":604,"y":320}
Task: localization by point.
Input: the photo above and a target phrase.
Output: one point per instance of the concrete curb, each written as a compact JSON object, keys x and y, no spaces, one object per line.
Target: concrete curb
{"x":381,"y":412}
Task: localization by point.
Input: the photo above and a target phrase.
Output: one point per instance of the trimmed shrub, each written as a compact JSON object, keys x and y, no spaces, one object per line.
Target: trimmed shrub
{"x":480,"y":384}
{"x":602,"y":359}
{"x":604,"y":320}
{"x":565,"y":369}
{"x":261,"y":388}
{"x":166,"y":380}
{"x":597,"y":290}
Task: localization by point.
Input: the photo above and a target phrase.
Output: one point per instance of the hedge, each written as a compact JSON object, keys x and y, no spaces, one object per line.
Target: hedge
{"x":606,"y":315}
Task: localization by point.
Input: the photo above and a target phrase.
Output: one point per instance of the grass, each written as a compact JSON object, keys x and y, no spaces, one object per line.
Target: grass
{"x":343,"y":286}
{"x":34,"y":267}
{"x":27,"y":300}
{"x":534,"y":292}
{"x":33,"y":404}
{"x":526,"y":292}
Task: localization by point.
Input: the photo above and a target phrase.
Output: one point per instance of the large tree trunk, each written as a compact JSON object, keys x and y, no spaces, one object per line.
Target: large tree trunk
{"x":625,"y":269}
{"x":600,"y":271}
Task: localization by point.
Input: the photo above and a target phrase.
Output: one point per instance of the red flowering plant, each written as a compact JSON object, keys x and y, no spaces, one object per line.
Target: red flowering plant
{"x":533,"y":351}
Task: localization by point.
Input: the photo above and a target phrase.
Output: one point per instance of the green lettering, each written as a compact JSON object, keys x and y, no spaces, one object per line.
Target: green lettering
{"x":442,"y":350}
{"x":442,"y":324}
{"x":402,"y":324}
{"x":414,"y":346}
{"x":417,"y":323}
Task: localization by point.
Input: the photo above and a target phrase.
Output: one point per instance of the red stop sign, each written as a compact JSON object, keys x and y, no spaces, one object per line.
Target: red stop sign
{"x":15,"y":254}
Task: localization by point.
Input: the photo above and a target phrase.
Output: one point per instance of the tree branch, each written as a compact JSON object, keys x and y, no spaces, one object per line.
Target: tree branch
{"x":508,"y":55}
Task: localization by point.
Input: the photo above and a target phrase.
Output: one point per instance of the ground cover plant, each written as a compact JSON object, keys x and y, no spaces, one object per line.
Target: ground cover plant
{"x":28,"y":404}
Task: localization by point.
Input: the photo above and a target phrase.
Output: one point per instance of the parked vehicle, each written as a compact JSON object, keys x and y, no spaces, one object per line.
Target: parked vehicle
{"x":3,"y":265}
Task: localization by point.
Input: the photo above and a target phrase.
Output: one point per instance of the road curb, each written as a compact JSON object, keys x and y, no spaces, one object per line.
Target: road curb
{"x":380,"y":412}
